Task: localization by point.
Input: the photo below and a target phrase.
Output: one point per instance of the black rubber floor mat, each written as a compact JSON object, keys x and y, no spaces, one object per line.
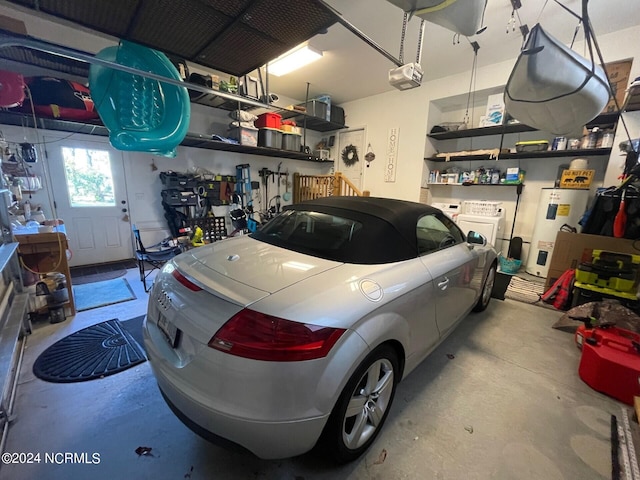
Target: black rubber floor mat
{"x":93,"y":352}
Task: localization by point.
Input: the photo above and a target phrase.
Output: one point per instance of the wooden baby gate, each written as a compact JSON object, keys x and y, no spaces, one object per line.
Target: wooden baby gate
{"x":309,"y":187}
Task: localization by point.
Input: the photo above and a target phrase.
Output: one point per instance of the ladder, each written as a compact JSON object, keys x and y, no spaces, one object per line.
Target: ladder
{"x":244,"y":192}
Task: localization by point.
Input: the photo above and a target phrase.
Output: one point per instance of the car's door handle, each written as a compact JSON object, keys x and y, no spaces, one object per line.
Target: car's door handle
{"x":443,"y":284}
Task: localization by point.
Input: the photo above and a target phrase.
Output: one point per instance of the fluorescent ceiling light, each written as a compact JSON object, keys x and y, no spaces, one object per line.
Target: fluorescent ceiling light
{"x":294,"y":59}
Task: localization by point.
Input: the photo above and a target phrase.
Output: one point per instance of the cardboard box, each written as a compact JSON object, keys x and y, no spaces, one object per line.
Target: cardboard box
{"x":571,"y":249}
{"x":618,"y":73}
{"x":576,"y":178}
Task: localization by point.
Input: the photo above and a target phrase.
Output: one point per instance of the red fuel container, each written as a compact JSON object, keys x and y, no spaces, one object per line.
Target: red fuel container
{"x":610,"y":362}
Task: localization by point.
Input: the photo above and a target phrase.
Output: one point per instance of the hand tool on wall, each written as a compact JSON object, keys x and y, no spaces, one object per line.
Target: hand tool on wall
{"x":278,"y":190}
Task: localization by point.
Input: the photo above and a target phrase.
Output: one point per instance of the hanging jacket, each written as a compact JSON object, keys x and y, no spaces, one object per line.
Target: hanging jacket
{"x":559,"y":294}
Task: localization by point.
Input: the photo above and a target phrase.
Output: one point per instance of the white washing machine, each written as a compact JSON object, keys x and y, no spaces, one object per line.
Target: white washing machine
{"x":491,"y":227}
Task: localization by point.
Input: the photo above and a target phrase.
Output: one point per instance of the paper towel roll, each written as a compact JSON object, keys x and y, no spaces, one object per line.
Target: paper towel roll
{"x":579,"y":164}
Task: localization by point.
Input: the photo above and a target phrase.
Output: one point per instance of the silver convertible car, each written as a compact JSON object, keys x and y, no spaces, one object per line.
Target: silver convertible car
{"x":297,"y":335}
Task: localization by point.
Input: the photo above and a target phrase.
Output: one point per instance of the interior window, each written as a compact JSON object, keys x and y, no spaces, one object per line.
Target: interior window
{"x":435,"y":232}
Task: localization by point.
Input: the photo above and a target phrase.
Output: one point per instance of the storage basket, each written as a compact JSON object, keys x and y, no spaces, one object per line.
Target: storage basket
{"x":482,"y":208}
{"x":509,"y":265}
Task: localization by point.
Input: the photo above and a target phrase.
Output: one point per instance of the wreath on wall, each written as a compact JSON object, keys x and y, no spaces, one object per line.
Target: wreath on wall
{"x":350,"y":155}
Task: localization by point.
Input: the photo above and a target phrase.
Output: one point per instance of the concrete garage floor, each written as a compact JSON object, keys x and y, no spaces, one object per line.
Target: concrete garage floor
{"x":508,"y":405}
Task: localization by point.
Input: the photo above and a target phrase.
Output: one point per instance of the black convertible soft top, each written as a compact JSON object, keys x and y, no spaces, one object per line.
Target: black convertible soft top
{"x":389,"y":226}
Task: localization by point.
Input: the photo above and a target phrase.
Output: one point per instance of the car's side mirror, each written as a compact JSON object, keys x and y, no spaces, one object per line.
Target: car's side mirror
{"x":476,"y":238}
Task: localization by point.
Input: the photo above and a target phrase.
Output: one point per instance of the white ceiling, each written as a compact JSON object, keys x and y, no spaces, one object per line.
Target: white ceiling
{"x":351,"y":69}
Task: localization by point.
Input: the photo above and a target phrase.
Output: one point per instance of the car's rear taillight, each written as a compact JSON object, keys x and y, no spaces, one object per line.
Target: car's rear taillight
{"x":259,"y":336}
{"x":184,"y":281}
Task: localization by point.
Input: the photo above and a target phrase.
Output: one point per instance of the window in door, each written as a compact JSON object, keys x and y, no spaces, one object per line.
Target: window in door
{"x":89,"y":178}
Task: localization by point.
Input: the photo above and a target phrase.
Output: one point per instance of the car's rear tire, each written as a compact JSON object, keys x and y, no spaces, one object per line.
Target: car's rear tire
{"x":485,"y":295}
{"x":362,"y":407}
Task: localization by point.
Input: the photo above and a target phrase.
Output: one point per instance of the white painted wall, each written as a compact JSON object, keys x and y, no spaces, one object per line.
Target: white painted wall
{"x":144,"y":185}
{"x":417,"y":110}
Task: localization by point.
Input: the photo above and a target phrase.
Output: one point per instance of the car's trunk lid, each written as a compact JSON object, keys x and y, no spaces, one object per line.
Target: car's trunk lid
{"x":243,"y":270}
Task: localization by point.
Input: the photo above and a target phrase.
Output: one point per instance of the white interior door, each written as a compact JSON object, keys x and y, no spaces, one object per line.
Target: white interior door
{"x":90,"y":195}
{"x":351,"y":166}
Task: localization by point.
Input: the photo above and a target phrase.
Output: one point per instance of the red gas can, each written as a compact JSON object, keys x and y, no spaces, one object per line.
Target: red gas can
{"x":610,"y":362}
{"x":580,"y":335}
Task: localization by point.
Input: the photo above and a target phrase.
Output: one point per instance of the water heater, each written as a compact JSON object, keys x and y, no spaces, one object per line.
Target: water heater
{"x":557,"y":207}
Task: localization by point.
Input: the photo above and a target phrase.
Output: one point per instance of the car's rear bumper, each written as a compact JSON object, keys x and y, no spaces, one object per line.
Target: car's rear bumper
{"x":281,"y":438}
{"x":265,"y":440}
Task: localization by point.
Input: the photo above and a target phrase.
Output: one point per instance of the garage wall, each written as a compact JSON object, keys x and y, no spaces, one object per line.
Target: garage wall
{"x":419,"y":109}
{"x":412,"y":112}
{"x":143,"y":184}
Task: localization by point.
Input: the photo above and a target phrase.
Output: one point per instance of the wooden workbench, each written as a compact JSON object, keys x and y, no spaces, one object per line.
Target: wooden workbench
{"x":45,"y":253}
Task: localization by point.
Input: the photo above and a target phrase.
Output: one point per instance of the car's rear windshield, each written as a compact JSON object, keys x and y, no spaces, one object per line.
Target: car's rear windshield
{"x":331,"y":236}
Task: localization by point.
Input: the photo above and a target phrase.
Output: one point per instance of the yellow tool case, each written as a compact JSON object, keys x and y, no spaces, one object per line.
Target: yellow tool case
{"x":616,"y":271}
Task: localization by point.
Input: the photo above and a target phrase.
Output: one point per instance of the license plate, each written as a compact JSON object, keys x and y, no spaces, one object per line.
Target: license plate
{"x":169,"y":330}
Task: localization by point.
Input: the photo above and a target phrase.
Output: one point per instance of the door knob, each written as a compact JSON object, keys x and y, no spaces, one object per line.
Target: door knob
{"x":443,"y":284}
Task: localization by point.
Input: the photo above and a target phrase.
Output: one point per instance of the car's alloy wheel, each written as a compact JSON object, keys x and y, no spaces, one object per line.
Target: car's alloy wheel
{"x":363,"y":406}
{"x":485,"y":296}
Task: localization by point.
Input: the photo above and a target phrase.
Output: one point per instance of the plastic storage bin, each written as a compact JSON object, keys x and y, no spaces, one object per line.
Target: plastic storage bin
{"x":270,"y":137}
{"x":337,"y":115}
{"x":245,"y":135}
{"x":325,"y":98}
{"x":317,"y":108}
{"x":291,"y":141}
{"x":269,"y":120}
{"x":532,"y":146}
{"x":291,"y":129}
{"x":321,"y":154}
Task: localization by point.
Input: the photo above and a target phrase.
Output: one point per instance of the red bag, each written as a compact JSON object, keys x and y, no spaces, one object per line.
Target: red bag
{"x":11,"y":89}
{"x":59,"y":98}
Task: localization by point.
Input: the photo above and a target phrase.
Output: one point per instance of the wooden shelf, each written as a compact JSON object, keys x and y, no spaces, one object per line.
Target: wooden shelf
{"x":191,"y":140}
{"x":511,"y":156}
{"x":601,"y":120}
